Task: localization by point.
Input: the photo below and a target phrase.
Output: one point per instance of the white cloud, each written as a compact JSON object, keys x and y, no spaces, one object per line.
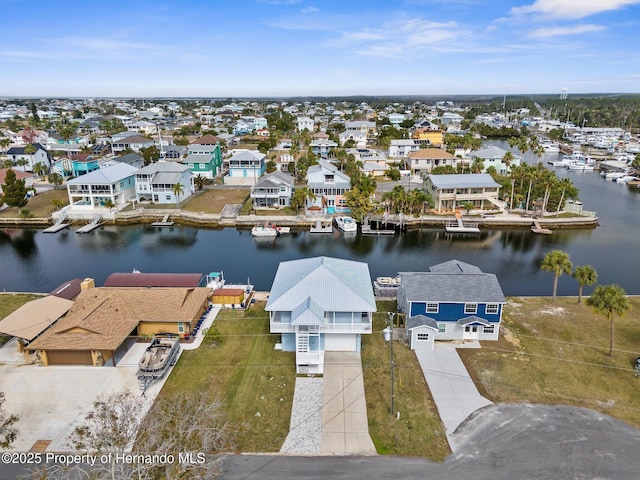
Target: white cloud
{"x":310,"y":9}
{"x":546,"y":32}
{"x":571,"y":9}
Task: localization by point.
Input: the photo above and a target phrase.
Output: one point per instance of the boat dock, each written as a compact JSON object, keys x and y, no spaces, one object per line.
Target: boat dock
{"x":322,"y":226}
{"x":58,"y":225}
{"x":163,"y":223}
{"x":536,"y":228}
{"x":91,"y":226}
{"x":367,"y":230}
{"x":459,"y":226}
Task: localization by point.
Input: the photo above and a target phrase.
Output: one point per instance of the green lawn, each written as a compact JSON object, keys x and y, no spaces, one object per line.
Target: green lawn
{"x":556,"y":353}
{"x":39,"y":206}
{"x":418,"y":431}
{"x":238,"y":365}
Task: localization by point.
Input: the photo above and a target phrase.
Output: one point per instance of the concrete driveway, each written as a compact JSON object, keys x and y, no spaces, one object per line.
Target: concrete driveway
{"x":345,"y":430}
{"x":453,"y":391}
{"x":52,"y":401}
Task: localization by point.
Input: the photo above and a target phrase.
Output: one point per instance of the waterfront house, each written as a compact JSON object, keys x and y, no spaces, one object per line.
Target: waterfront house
{"x":115,"y":184}
{"x":96,"y":328}
{"x":205,"y":160}
{"x":359,"y":138}
{"x":320,"y":304}
{"x":452,"y":301}
{"x":247,"y":164}
{"x":329,"y":186}
{"x":273,"y":190}
{"x":450,"y":192}
{"x":424,"y":160}
{"x":79,"y":164}
{"x":492,"y":156}
{"x":41,"y":155}
{"x":428,"y":136}
{"x":155,"y":182}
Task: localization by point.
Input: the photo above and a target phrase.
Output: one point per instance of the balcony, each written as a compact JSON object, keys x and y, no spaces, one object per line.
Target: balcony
{"x":364,"y":327}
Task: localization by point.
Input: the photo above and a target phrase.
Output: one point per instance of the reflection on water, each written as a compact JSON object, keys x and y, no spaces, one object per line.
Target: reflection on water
{"x":40,"y":262}
{"x":22,"y":241}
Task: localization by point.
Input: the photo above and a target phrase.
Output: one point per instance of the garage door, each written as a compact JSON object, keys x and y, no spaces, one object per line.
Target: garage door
{"x":69,"y":357}
{"x":340,"y":342}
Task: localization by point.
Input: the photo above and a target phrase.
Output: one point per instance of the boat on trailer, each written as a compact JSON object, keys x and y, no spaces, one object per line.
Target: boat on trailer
{"x":158,"y":358}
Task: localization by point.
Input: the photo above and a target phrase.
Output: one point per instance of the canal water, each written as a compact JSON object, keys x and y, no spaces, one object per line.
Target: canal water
{"x":37,"y":262}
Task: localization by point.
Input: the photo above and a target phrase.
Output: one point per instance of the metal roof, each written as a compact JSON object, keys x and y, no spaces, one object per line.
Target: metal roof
{"x":155,"y":280}
{"x":333,"y":284}
{"x":68,"y":290}
{"x":107,"y":175}
{"x":491,"y":151}
{"x":34,"y":317}
{"x":307,"y":313}
{"x":451,"y":287}
{"x":463,"y":180}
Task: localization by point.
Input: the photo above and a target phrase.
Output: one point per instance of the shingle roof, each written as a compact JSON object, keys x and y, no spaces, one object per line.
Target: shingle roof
{"x":101,"y":318}
{"x":473,"y":319}
{"x":419,"y":320}
{"x":454,"y":266}
{"x":163,"y":167}
{"x":430,"y":153}
{"x":333,"y":284}
{"x":275,"y":179}
{"x":463,"y":287}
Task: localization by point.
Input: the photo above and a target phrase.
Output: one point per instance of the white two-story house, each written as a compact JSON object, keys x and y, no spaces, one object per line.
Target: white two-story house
{"x":329,"y":186}
{"x":156,"y":181}
{"x":320,"y":304}
{"x":115,"y":184}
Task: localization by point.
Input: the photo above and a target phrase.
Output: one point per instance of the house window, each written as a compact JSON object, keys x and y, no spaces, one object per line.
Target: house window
{"x":470,"y":308}
{"x":167,"y":197}
{"x":432,"y":308}
{"x":422,"y":337}
{"x":442,"y":327}
{"x":489,"y":329}
{"x":180,"y":327}
{"x":492,"y":308}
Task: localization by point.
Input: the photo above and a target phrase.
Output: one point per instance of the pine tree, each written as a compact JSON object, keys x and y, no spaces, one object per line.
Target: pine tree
{"x":15,"y":191}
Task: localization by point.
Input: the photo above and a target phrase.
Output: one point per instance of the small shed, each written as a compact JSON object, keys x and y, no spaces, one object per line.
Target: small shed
{"x":421,"y":332}
{"x":228,"y":296}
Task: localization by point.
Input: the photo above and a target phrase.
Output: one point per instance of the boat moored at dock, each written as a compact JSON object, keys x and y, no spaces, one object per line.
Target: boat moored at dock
{"x":346,"y":224}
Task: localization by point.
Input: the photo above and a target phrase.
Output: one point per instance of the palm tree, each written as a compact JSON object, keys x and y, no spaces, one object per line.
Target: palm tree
{"x":468,"y":206}
{"x":557,"y":262}
{"x":199,"y":181}
{"x":57,"y":203}
{"x":40,"y":170}
{"x":585,"y":275}
{"x":507,"y":158}
{"x":56,"y":179}
{"x":4,"y":143}
{"x":607,"y":300}
{"x":300,"y":197}
{"x":477,"y":166}
{"x":177,"y":189}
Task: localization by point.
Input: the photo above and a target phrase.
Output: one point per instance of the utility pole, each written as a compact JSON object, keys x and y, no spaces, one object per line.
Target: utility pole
{"x":392,"y":363}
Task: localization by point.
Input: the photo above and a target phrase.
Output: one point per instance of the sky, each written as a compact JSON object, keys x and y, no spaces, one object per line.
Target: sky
{"x":263,"y":48}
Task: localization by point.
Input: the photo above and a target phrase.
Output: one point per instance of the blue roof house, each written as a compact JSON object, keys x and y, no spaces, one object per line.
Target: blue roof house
{"x":452,"y":301}
{"x":320,"y":304}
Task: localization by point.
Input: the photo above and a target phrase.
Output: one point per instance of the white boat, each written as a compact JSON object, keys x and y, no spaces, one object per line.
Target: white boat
{"x":387,"y":282}
{"x":549,"y":146}
{"x":215,"y":280}
{"x":158,"y":357}
{"x":583,"y":165}
{"x":560,"y":163}
{"x":625,"y":179}
{"x":346,"y":224}
{"x":612,"y":175}
{"x":269,"y":230}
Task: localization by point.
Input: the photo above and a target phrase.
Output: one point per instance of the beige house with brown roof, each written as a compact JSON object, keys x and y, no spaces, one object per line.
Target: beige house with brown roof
{"x":425,"y":159}
{"x":96,"y":328}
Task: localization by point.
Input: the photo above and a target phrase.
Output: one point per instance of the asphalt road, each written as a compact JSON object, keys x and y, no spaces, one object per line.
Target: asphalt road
{"x":498,"y":442}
